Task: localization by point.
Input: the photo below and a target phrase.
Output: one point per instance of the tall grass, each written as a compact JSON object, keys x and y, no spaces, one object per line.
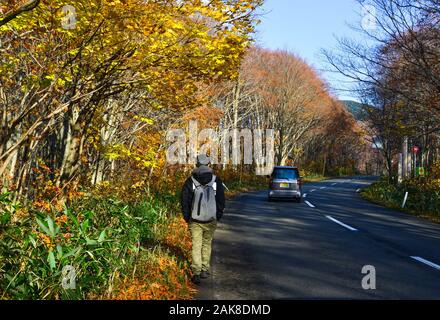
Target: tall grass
{"x":423,"y":195}
{"x":100,"y":237}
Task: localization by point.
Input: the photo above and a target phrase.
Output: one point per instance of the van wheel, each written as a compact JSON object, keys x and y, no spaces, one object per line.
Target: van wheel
{"x":298,"y":200}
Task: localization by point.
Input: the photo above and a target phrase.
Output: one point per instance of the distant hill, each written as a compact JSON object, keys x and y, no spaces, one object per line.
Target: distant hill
{"x":355,"y":108}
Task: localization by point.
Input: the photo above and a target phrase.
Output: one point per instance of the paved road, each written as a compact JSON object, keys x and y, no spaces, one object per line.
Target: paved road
{"x":316,"y":250}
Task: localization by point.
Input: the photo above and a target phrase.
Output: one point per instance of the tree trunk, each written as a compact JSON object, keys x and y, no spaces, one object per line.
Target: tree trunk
{"x":280,"y":148}
{"x":72,"y":153}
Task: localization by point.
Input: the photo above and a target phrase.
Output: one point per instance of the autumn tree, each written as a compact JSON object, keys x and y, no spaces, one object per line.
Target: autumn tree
{"x":278,"y":90}
{"x":291,"y":96}
{"x":397,"y":73}
{"x":68,"y":93}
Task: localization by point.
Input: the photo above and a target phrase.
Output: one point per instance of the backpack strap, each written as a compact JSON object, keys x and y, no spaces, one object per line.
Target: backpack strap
{"x":196,"y":184}
{"x":212,"y":183}
{"x":213,"y":180}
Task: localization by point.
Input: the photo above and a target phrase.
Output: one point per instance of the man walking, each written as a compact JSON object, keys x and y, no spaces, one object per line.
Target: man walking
{"x":203,"y":203}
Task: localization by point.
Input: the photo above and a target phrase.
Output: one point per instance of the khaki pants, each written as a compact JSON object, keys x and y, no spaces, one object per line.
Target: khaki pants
{"x":202,"y":234}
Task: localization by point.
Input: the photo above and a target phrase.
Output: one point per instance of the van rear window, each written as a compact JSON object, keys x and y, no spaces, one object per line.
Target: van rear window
{"x":285,"y":174}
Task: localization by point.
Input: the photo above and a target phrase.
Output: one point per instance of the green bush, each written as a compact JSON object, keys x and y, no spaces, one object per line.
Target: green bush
{"x":423,"y":195}
{"x":100,"y":238}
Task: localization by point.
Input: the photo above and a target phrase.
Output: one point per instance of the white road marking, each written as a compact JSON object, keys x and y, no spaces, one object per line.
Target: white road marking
{"x":313,"y":190}
{"x":309,"y":204}
{"x":333,"y":184}
{"x":429,"y":263}
{"x":341,"y":224}
{"x":304,"y":195}
{"x":323,"y":188}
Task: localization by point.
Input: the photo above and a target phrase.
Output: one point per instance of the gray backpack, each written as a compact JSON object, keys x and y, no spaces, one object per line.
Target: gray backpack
{"x":204,"y":206}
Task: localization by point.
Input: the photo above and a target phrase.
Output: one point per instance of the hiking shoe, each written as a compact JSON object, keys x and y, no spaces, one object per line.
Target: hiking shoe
{"x":205,"y":274}
{"x":195,"y":279}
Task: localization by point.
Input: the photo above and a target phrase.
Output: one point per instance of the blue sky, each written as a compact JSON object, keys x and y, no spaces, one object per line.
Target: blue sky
{"x":306,"y":26}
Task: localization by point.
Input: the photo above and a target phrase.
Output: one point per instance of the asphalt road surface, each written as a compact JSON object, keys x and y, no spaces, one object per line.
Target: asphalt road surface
{"x":318,"y":249}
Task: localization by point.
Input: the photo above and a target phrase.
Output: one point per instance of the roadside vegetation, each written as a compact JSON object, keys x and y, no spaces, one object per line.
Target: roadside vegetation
{"x":134,"y":247}
{"x":423,"y":195}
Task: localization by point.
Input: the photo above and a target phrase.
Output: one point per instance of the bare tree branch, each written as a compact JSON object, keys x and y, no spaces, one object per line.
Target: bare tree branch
{"x":28,"y":6}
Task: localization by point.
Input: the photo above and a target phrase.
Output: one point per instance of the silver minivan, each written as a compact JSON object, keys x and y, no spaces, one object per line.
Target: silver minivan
{"x":285,"y":183}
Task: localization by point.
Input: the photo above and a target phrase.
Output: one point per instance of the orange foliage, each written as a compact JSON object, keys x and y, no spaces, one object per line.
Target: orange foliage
{"x":165,"y":276}
{"x":177,"y":235}
{"x":275,"y":73}
{"x":206,"y":117}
